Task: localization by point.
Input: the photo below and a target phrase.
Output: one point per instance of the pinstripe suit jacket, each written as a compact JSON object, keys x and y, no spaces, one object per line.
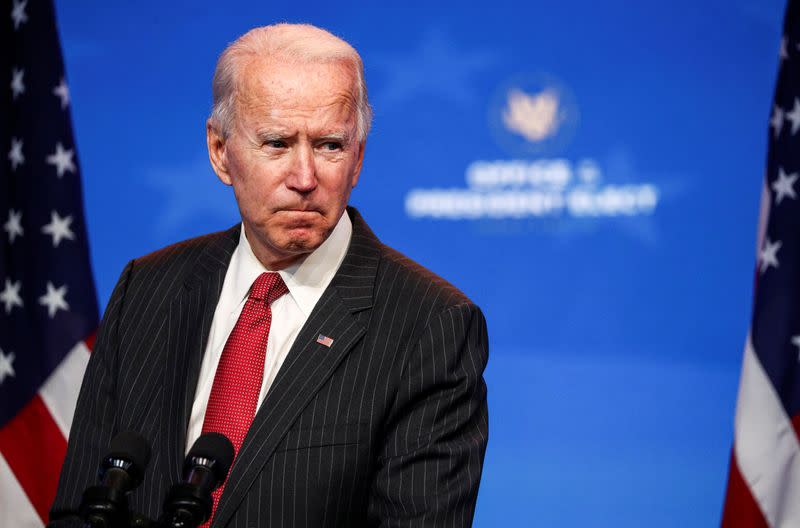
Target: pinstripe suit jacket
{"x":387,"y":427}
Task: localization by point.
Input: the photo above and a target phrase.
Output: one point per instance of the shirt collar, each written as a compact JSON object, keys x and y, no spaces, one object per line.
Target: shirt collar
{"x":305,"y":279}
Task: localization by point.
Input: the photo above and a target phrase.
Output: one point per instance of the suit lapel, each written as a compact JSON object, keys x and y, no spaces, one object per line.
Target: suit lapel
{"x":190,"y":316}
{"x":309,"y":364}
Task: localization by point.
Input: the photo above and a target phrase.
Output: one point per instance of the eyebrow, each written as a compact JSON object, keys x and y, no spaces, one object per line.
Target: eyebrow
{"x":342,"y":137}
{"x":271,"y":135}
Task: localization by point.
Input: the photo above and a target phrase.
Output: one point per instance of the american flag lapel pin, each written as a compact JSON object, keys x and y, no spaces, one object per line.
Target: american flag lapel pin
{"x":324,"y":340}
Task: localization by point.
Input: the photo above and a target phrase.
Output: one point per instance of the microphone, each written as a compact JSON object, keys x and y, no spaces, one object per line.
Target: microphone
{"x":122,"y":469}
{"x":189,"y":502}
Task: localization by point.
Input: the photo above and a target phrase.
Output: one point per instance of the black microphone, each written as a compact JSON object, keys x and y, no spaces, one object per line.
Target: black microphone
{"x":122,"y":469}
{"x":189,"y":503}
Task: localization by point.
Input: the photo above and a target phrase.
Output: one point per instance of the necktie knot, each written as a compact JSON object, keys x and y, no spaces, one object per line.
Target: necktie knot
{"x":268,"y":287}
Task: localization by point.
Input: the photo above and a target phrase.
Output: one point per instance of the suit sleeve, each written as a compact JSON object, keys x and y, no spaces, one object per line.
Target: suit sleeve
{"x":95,"y":415}
{"x":430,"y":466}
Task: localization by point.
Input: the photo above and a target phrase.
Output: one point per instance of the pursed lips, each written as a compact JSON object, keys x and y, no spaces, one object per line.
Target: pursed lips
{"x":288,"y":210}
{"x":300,"y":216}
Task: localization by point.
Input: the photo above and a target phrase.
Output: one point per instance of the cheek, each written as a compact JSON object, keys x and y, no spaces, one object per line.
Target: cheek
{"x":256,"y":184}
{"x":338,"y":181}
{"x":254,"y":201}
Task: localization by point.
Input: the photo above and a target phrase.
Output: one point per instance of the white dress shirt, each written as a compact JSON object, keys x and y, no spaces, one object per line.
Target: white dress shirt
{"x":306,"y":280}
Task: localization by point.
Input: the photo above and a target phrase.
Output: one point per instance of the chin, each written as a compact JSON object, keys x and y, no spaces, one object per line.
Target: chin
{"x":302,"y":242}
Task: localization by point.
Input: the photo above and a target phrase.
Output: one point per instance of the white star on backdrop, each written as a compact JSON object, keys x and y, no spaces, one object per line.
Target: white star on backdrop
{"x":17,"y":82}
{"x":432,"y":66}
{"x":796,"y":342}
{"x":776,"y":121}
{"x":13,"y":225}
{"x":62,"y":160}
{"x":15,"y":155}
{"x":784,"y":186}
{"x":794,"y":115}
{"x":769,"y":254}
{"x":18,"y":14}
{"x":58,"y":228}
{"x":6,"y":367}
{"x":54,"y":299}
{"x":10,"y":295}
{"x":62,"y":92}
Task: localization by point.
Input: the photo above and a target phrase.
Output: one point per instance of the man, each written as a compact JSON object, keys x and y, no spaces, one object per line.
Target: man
{"x":348,"y":378}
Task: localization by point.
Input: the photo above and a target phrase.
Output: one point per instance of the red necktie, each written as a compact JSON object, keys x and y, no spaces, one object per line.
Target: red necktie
{"x":237,"y":383}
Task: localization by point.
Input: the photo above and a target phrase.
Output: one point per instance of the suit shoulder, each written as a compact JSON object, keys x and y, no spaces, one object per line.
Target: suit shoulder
{"x":419,"y":285}
{"x":177,"y":260}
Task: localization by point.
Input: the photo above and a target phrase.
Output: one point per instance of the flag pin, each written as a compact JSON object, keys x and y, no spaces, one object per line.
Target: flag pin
{"x":324,"y":340}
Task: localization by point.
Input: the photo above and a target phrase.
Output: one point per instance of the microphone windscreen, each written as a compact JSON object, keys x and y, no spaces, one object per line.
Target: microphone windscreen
{"x":217,"y":447}
{"x":132,"y":447}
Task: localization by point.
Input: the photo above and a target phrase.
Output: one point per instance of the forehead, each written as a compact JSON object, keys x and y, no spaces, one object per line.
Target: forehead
{"x":274,"y":88}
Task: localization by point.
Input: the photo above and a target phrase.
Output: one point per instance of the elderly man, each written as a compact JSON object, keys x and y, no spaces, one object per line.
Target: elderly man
{"x":348,"y":378}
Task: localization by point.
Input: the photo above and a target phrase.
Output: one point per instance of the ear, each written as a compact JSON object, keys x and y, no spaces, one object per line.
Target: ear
{"x":359,"y":162}
{"x":217,"y":152}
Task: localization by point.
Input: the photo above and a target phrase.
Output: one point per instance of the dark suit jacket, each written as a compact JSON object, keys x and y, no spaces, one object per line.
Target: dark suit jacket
{"x":387,"y":427}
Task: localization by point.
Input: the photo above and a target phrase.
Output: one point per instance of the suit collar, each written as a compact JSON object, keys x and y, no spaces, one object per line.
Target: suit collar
{"x":214,"y":257}
{"x":355,"y":278}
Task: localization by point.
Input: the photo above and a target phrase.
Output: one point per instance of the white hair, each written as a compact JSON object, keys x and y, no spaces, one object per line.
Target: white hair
{"x":298,"y":42}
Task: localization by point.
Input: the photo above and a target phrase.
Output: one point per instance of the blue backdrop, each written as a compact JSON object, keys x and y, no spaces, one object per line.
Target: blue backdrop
{"x":588,"y":172}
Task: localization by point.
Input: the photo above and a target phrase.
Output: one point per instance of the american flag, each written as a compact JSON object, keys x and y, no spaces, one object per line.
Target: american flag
{"x":48,"y":305}
{"x":764,"y":478}
{"x":324,"y":340}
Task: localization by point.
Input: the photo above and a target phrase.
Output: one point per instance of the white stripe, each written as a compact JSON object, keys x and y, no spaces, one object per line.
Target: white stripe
{"x":767,"y":449}
{"x":60,"y":391}
{"x":15,"y":508}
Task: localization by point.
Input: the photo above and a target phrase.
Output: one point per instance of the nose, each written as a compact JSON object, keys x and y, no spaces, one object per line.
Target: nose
{"x":303,"y":174}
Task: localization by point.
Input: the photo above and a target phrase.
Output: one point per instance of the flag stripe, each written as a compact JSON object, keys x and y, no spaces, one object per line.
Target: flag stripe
{"x":89,"y":341}
{"x":15,"y":508}
{"x":766,"y":445}
{"x":34,"y":448}
{"x":741,"y":509}
{"x":60,"y":392}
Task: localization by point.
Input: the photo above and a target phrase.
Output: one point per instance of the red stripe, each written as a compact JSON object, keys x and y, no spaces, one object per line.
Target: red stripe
{"x":90,"y":341}
{"x":741,"y":509}
{"x":34,"y":447}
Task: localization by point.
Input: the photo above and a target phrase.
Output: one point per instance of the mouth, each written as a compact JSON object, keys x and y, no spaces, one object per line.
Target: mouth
{"x":299,"y":209}
{"x":299,"y":217}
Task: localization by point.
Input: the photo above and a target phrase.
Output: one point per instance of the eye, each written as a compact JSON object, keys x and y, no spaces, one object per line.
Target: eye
{"x":332,"y":146}
{"x":275,"y":143}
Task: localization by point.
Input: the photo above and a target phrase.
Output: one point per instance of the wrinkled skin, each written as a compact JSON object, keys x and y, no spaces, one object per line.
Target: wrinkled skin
{"x":292,"y":155}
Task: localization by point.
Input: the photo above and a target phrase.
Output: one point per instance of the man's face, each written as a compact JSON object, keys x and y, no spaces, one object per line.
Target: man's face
{"x":292,"y":155}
